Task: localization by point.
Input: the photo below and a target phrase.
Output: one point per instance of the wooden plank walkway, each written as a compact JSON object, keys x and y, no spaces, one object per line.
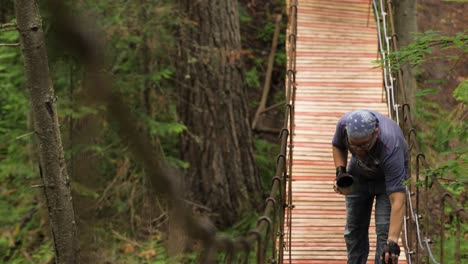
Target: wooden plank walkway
{"x":336,"y":46}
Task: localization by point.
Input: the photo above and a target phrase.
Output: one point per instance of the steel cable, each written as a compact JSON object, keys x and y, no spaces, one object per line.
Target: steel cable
{"x":383,"y":48}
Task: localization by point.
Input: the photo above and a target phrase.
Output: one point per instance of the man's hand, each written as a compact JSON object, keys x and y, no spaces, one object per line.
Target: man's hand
{"x":345,"y":189}
{"x":343,"y":179}
{"x":342,"y":191}
{"x":391,"y":252}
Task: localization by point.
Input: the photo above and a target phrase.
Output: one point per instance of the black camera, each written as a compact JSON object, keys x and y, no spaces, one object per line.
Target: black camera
{"x":343,"y":179}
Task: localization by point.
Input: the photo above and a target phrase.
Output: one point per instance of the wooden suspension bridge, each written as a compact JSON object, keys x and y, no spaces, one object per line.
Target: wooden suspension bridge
{"x":336,"y":50}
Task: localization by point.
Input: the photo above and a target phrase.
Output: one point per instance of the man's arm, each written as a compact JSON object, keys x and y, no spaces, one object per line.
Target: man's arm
{"x":398,"y":202}
{"x":340,"y":157}
{"x":391,"y":249}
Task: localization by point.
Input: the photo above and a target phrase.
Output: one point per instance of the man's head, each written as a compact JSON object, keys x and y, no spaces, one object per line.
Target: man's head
{"x":362,"y":130}
{"x":361,"y":124}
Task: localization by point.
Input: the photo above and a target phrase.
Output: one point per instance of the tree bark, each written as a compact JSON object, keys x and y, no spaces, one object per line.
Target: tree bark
{"x":212,"y":104}
{"x":406,"y":26}
{"x":56,"y":183}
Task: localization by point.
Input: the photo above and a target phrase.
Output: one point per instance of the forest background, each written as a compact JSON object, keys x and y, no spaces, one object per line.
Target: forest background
{"x":118,"y":220}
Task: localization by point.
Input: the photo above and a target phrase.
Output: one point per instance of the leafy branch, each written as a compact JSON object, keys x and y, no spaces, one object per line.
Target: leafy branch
{"x":423,"y":45}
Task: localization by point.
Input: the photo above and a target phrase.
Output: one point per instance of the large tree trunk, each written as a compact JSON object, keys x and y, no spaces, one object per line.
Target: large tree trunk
{"x":56,"y":183}
{"x":406,"y":26}
{"x":212,"y":104}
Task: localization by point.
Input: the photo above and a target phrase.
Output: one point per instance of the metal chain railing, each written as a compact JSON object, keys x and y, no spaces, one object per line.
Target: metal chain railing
{"x":384,"y":48}
{"x":417,"y":235}
{"x":291,"y":98}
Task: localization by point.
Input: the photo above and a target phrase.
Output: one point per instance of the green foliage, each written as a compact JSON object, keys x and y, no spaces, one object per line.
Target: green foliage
{"x":448,"y":134}
{"x":455,"y":169}
{"x":443,"y":127}
{"x":22,"y":241}
{"x":461,"y":92}
{"x":244,"y":16}
{"x":280,"y":59}
{"x":242,"y":227}
{"x":252,"y":79}
{"x":428,"y":91}
{"x":164,"y":129}
{"x":267,"y":33}
{"x":424,"y":44}
{"x":44,"y":254}
{"x":450,"y":243}
{"x":13,"y":103}
{"x":265,"y":155}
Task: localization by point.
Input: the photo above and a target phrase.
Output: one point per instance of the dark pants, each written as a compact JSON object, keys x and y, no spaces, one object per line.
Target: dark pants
{"x":358,"y":213}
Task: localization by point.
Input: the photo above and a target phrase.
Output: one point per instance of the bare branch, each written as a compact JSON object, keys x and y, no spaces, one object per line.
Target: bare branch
{"x":8,"y":29}
{"x":126,"y":239}
{"x":8,"y":25}
{"x":25,"y":135}
{"x":198,"y":205}
{"x":9,"y":44}
{"x":271,"y":107}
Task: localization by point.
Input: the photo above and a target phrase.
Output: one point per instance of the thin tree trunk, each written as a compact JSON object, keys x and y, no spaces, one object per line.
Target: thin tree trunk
{"x":56,"y":183}
{"x":266,"y":87}
{"x":406,"y":26}
{"x":213,"y":106}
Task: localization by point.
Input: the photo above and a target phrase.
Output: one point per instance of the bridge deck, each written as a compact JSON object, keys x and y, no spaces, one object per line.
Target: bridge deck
{"x":336,"y":46}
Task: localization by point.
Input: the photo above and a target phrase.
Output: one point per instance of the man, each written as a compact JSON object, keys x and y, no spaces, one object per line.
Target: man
{"x":378,"y":166}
